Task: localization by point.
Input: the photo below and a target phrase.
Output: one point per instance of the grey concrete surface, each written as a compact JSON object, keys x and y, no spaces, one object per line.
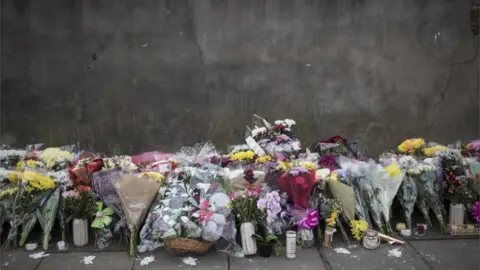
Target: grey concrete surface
{"x":307,"y":259}
{"x":450,"y":255}
{"x":418,"y":255}
{"x":128,"y":76}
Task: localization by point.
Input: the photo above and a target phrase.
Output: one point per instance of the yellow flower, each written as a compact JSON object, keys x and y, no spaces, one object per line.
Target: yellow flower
{"x":308,"y":165}
{"x":431,"y":151}
{"x":245,"y":155}
{"x":331,"y":222}
{"x":358,"y":228}
{"x":8,"y":191}
{"x":20,"y":166}
{"x":284,"y":165}
{"x":334,"y":215}
{"x":418,"y":143}
{"x":228,"y":204}
{"x":263,"y":159}
{"x":155,"y":175}
{"x":31,"y":163}
{"x":38,"y":181}
{"x":13,"y":178}
{"x":51,"y":156}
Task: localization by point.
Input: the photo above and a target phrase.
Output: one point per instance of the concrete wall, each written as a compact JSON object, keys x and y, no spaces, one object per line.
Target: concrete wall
{"x":139,"y":75}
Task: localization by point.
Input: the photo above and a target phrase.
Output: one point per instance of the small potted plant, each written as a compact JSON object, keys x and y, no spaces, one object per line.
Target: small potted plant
{"x":266,"y":244}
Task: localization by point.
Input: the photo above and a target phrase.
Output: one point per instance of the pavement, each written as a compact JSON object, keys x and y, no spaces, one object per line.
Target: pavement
{"x":455,"y":254}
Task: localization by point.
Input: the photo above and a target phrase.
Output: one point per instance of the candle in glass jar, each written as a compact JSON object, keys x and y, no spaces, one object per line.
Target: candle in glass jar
{"x":291,"y":245}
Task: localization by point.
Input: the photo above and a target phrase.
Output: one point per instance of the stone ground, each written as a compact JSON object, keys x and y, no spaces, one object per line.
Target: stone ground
{"x":456,"y":254}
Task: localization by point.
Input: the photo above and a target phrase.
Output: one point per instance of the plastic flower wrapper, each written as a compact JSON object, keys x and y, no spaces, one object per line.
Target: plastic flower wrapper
{"x":136,"y":195}
{"x":387,"y":184}
{"x":150,"y":157}
{"x":103,"y":185}
{"x":344,"y":193}
{"x":298,"y":182}
{"x":47,"y":214}
{"x":387,"y":158}
{"x":197,"y":154}
{"x":425,"y":178}
{"x":55,"y":158}
{"x":476,"y":211}
{"x":371,"y":195}
{"x":359,"y":173}
{"x":334,"y":146}
{"x":166,"y":211}
{"x":103,"y":218}
{"x":32,"y":189}
{"x":408,"y":191}
{"x":10,"y":157}
{"x":474,"y":169}
{"x":84,"y":167}
{"x":306,"y":221}
{"x":240,"y":178}
{"x":207,"y":178}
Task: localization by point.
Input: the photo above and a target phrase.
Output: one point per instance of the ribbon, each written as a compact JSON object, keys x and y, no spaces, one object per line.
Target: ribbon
{"x":310,"y":220}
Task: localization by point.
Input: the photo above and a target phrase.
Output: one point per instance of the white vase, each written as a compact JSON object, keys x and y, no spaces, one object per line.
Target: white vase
{"x":80,"y":232}
{"x":457,"y":214}
{"x":249,"y":244}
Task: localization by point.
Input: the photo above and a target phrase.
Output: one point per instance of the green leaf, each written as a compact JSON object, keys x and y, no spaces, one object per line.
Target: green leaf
{"x":271,"y":238}
{"x":99,"y":206}
{"x":259,"y":238}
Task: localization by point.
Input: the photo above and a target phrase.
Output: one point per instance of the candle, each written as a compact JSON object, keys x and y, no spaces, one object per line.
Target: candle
{"x":291,"y":245}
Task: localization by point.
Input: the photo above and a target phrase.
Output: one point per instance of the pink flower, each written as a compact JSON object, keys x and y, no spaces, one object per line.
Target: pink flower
{"x":476,"y":211}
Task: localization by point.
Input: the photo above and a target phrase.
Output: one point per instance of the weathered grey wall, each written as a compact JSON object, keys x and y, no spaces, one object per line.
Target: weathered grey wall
{"x":139,"y":75}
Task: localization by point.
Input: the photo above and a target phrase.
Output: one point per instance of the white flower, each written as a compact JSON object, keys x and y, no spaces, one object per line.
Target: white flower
{"x":166,"y":218}
{"x":258,"y":131}
{"x":184,"y":219}
{"x":195,"y":215}
{"x":288,"y":129}
{"x":279,"y":122}
{"x":290,"y":122}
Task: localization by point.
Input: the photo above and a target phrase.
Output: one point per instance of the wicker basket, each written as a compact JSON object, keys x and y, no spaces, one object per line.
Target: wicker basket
{"x":464,"y":230}
{"x":185,"y":245}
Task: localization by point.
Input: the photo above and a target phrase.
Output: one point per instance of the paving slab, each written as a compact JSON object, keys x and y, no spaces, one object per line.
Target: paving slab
{"x":377,"y":259}
{"x":308,"y":259}
{"x":17,"y":260}
{"x":74,"y":261}
{"x":450,"y":254}
{"x":166,"y":260}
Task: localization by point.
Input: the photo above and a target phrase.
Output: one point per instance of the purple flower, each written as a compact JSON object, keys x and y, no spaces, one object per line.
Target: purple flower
{"x":294,"y":172}
{"x":262,"y":204}
{"x":476,"y":211}
{"x":270,"y":165}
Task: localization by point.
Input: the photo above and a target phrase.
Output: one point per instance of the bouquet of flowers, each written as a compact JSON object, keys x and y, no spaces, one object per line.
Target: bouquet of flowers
{"x":336,"y":145}
{"x":136,"y":195}
{"x":330,"y":210}
{"x":473,"y":149}
{"x":386,"y":183}
{"x":239,"y":179}
{"x":358,"y":228}
{"x":359,"y":174}
{"x":27,"y":191}
{"x":408,"y":191}
{"x":79,"y":202}
{"x":55,"y":158}
{"x":411,"y":146}
{"x":457,"y":188}
{"x":298,"y":182}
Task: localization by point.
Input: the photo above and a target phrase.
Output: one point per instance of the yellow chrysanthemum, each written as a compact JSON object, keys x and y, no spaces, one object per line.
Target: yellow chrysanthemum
{"x":13,"y":178}
{"x":431,"y":151}
{"x":334,"y":215}
{"x":284,"y":166}
{"x":37,"y":180}
{"x":245,"y":155}
{"x":418,"y":143}
{"x":308,"y":165}
{"x":331,"y":222}
{"x":20,"y":165}
{"x":53,"y":155}
{"x":31,"y":163}
{"x":263,"y":159}
{"x":358,"y":228}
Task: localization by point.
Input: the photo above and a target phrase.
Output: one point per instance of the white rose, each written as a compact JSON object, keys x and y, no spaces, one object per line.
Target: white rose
{"x":290,"y":122}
